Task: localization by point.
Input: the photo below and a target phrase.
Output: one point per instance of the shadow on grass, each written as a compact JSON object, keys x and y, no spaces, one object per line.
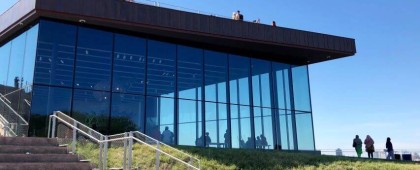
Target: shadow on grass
{"x":213,"y":158}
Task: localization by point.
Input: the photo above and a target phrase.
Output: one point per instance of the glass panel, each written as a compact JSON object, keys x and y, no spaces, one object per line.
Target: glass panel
{"x":94,"y":59}
{"x":239,"y":79}
{"x":46,"y":100}
{"x":216,"y":125}
{"x":301,"y":95}
{"x":4,"y":66}
{"x":92,"y":108}
{"x":241,"y":127}
{"x":160,"y":118}
{"x":127,"y":113}
{"x":261,"y":82}
{"x":16,"y":61}
{"x":290,"y":132}
{"x":263,"y":128}
{"x":304,"y":131}
{"x":215,"y":76}
{"x":190,"y":72}
{"x":161,"y":69}
{"x":282,"y":85}
{"x":55,"y":54}
{"x":190,"y":123}
{"x":129,"y":64}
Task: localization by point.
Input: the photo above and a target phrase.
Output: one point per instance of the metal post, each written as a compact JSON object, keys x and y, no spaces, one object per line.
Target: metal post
{"x":125,"y":152}
{"x":73,"y":145}
{"x":49,"y":127}
{"x":106,"y":153}
{"x":53,"y":126}
{"x":157,"y":156}
{"x":130,"y":149}
{"x":100,"y":153}
{"x":4,"y":128}
{"x":191,"y":163}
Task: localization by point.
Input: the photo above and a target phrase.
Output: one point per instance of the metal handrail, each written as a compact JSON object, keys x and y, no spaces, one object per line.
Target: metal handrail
{"x":104,"y":140}
{"x":6,"y":128}
{"x":13,"y":111}
{"x":157,"y":141}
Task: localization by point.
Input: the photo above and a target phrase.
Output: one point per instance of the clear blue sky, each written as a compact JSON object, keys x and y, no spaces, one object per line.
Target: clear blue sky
{"x":375,"y":92}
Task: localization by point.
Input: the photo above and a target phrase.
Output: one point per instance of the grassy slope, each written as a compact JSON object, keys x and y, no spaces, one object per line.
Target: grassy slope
{"x":252,"y":159}
{"x":211,"y":158}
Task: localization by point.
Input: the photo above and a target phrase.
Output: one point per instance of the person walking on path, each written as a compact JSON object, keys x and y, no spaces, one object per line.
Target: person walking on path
{"x":389,"y":149}
{"x":357,"y":144}
{"x":369,"y":146}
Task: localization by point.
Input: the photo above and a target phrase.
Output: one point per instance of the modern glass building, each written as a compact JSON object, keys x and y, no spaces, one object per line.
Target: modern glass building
{"x":119,"y":69}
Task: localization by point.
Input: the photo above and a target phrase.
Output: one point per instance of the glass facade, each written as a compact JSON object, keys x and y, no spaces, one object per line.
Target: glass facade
{"x":178,"y":94}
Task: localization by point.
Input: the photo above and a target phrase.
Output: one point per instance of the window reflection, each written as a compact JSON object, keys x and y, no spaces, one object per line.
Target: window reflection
{"x":129,"y":64}
{"x":239,"y":79}
{"x":282,"y":85}
{"x":94,"y":58}
{"x":161,"y":69}
{"x":301,"y":94}
{"x":46,"y":100}
{"x":55,"y":54}
{"x":304,"y":131}
{"x":92,"y":108}
{"x":263,"y":128}
{"x":241,"y":127}
{"x":190,"y":72}
{"x":4,"y":68}
{"x":190,"y":123}
{"x":286,"y":130}
{"x":127,"y":113}
{"x":160,"y":118}
{"x":216,"y":65}
{"x":216,"y":125}
{"x":261,"y":84}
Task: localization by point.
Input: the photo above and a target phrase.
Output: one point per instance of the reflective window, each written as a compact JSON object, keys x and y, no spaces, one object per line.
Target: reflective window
{"x":216,"y":125}
{"x":241,"y":127}
{"x":282,"y":85}
{"x":129,"y":64}
{"x":239,"y":79}
{"x":55,"y":54}
{"x":301,"y":94}
{"x":304,"y":131}
{"x":92,"y":108}
{"x":160,"y":119}
{"x":17,"y":56}
{"x":46,"y":100}
{"x":263,"y":128}
{"x":261,"y":84}
{"x":190,"y":72}
{"x":4,"y":68}
{"x":29,"y":61}
{"x":94,"y":59}
{"x":216,"y":65}
{"x":190,"y":123}
{"x":127,"y":113}
{"x":161,"y":69}
{"x":286,"y":130}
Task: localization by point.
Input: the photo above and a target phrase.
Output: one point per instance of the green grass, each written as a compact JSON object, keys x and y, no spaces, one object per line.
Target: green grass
{"x":212,"y":158}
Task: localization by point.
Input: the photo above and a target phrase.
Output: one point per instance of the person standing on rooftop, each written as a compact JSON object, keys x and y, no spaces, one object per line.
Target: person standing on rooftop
{"x":357,"y":144}
{"x":369,"y":146}
{"x":389,"y":149}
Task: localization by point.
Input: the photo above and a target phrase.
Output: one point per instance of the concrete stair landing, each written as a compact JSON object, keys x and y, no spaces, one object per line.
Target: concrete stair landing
{"x":28,"y":153}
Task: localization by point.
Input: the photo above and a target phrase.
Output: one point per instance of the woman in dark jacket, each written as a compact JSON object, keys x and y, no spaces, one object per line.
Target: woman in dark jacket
{"x":389,"y":149}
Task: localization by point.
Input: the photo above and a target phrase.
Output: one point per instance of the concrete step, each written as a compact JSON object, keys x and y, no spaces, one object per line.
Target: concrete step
{"x":9,"y":149}
{"x":9,"y":158}
{"x":49,"y":166}
{"x":28,"y":141}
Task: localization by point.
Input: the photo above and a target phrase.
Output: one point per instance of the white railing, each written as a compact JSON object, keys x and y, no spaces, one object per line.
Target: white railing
{"x":73,"y":133}
{"x":378,"y":154}
{"x":12,"y":122}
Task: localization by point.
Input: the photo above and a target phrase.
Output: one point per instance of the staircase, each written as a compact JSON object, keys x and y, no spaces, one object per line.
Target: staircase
{"x":27,"y":153}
